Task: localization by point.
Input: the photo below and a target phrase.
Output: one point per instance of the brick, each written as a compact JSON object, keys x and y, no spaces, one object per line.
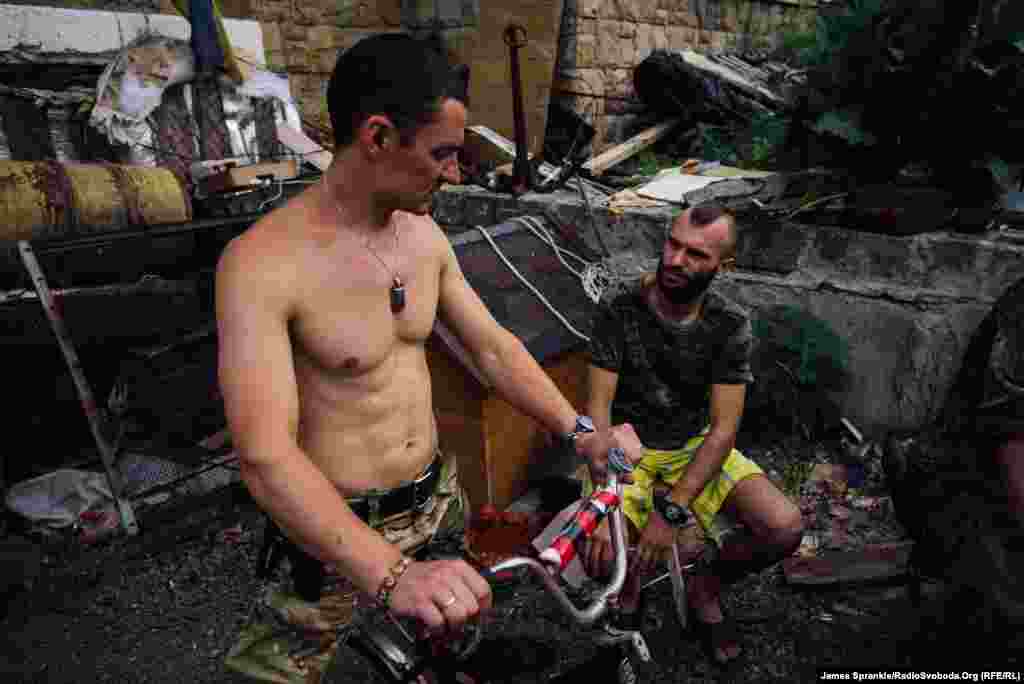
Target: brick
{"x":367,"y":15}
{"x":275,"y":11}
{"x":686,"y":19}
{"x":647,"y":12}
{"x":276,"y":60}
{"x":586,"y":51}
{"x":624,"y":10}
{"x":294,"y":33}
{"x":592,"y":81}
{"x":611,"y":49}
{"x":306,"y":14}
{"x":320,"y":38}
{"x":587,"y":27}
{"x":272,"y":41}
{"x":661,"y":17}
{"x":299,"y":61}
{"x":660,"y":35}
{"x":590,"y":8}
{"x":678,"y":37}
{"x":645,"y":41}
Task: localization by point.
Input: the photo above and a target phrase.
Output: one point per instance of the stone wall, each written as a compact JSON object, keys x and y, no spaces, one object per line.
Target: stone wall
{"x":906,"y":307}
{"x":602,"y":40}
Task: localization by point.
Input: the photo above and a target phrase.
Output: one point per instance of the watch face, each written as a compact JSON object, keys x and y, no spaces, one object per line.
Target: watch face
{"x":585,"y":423}
{"x":672,"y":512}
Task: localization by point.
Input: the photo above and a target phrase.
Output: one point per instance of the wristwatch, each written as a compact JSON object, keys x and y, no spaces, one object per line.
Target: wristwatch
{"x":674,"y":514}
{"x":584,"y":424}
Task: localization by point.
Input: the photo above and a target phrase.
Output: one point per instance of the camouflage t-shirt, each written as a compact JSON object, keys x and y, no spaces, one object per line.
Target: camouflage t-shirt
{"x":666,"y":369}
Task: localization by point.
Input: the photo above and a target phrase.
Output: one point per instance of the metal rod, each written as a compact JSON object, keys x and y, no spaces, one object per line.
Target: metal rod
{"x":85,"y":394}
{"x":599,"y":605}
{"x":521,"y":181}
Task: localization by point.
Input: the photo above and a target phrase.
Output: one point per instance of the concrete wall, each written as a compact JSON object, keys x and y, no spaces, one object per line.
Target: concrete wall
{"x":906,"y":306}
{"x":602,"y":40}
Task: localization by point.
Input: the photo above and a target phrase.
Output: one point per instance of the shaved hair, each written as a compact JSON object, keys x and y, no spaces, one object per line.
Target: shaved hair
{"x":704,"y":215}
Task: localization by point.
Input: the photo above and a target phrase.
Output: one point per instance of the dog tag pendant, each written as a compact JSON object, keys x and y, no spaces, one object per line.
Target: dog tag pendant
{"x":397,"y":296}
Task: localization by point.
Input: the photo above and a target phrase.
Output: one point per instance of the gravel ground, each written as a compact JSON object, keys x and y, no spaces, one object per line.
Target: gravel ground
{"x":165,"y":606}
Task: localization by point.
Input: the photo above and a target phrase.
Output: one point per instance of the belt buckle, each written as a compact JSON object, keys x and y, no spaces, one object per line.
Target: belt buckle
{"x":419,"y":482}
{"x":373,"y":510}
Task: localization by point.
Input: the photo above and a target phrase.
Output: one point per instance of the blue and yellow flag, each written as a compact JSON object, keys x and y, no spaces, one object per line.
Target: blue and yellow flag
{"x":210,"y":43}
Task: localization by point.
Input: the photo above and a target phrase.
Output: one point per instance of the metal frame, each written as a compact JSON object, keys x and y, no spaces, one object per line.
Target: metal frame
{"x":85,"y":395}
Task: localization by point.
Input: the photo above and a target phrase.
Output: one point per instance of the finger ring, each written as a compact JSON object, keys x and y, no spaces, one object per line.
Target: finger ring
{"x":450,"y":602}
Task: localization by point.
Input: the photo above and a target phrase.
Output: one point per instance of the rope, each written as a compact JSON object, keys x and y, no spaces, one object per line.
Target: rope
{"x":595,"y":278}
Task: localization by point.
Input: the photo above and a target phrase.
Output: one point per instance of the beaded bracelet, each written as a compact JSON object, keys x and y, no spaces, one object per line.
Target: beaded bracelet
{"x":391,"y":581}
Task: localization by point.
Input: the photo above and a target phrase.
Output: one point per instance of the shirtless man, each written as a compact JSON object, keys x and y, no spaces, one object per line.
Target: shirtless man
{"x":323,"y":309}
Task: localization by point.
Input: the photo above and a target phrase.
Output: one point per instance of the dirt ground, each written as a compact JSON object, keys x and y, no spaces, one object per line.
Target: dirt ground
{"x":165,"y":606}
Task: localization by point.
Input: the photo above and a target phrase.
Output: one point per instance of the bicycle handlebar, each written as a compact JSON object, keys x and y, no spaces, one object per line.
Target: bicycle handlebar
{"x":606,"y":500}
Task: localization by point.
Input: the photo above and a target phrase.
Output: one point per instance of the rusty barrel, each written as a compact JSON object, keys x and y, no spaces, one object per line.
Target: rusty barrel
{"x":45,"y":200}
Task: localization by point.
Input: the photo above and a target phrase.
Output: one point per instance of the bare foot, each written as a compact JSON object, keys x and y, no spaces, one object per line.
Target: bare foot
{"x":703,"y":595}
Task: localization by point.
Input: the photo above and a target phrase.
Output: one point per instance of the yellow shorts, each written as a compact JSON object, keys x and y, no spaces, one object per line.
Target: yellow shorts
{"x":667,"y":467}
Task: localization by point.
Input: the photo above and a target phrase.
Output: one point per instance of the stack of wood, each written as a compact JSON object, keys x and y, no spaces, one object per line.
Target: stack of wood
{"x":714,"y":88}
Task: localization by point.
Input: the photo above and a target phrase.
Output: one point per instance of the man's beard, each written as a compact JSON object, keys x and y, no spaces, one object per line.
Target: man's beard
{"x":696,"y":285}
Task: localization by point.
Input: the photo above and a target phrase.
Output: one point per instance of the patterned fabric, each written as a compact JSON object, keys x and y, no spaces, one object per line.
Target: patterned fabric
{"x":290,"y":640}
{"x":666,"y":369}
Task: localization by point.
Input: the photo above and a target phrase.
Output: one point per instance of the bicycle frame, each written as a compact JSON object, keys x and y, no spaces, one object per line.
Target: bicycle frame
{"x":545,"y":571}
{"x":400,"y":667}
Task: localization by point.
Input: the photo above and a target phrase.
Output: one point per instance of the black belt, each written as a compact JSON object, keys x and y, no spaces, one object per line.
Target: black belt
{"x":308,"y":572}
{"x":411,"y":496}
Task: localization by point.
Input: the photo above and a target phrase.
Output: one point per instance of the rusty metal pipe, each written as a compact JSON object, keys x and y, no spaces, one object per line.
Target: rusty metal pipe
{"x":515,"y":38}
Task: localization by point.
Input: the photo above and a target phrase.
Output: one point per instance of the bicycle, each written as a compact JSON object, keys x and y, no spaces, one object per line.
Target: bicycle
{"x":397,"y":657}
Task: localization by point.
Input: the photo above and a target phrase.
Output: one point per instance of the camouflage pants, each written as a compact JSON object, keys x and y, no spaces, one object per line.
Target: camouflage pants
{"x":292,"y":640}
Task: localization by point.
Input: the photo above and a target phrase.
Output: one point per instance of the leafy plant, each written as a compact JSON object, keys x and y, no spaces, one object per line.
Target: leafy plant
{"x":833,"y":30}
{"x":845,"y":124}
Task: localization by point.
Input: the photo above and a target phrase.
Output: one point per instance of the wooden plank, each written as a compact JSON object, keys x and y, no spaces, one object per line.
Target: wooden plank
{"x":731,"y":76}
{"x":875,"y":562}
{"x":241,"y":176}
{"x":484,"y":144}
{"x":641,"y":141}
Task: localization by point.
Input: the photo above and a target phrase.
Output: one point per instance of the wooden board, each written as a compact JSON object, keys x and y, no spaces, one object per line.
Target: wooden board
{"x":514,"y":442}
{"x":242,"y":176}
{"x":873,"y":563}
{"x":625,"y":150}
